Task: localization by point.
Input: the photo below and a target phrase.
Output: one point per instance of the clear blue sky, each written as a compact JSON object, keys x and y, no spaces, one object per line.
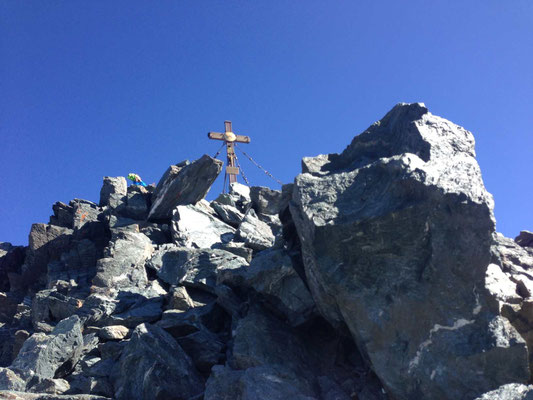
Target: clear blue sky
{"x":96,"y":88}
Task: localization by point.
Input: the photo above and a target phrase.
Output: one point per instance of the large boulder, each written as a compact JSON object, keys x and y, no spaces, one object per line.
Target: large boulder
{"x":192,"y":227}
{"x":396,"y":234}
{"x":197,"y":268}
{"x":123,"y":264}
{"x":11,"y":260}
{"x":53,"y":355}
{"x":183,"y":184}
{"x":154,"y":366}
{"x":113,"y":191}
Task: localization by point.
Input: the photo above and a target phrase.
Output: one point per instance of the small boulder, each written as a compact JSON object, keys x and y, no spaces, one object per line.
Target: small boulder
{"x":256,"y":234}
{"x":113,"y":191}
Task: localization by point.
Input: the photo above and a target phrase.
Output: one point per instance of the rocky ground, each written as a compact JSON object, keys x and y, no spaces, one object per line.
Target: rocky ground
{"x":377,"y":274}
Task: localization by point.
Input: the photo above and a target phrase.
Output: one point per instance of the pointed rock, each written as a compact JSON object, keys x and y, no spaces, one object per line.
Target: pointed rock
{"x":183,"y":184}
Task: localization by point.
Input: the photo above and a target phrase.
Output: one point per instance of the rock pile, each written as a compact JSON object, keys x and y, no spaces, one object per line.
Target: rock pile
{"x":377,"y":275}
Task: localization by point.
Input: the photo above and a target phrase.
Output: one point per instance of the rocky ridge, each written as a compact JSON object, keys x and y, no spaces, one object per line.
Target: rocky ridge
{"x":377,"y":274}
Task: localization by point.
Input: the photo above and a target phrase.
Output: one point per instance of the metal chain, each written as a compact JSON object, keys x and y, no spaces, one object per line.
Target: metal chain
{"x":242,"y":172}
{"x":219,"y":150}
{"x":258,"y":166}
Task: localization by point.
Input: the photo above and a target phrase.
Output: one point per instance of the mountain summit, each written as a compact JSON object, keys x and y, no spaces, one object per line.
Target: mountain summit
{"x":377,"y":274}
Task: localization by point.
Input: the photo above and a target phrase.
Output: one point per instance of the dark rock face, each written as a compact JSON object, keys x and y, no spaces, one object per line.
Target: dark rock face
{"x":154,"y":366}
{"x":525,"y":239}
{"x":183,"y":184}
{"x":377,"y":224}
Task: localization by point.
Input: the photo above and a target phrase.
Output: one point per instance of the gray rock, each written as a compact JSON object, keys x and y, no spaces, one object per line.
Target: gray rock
{"x":78,"y":264}
{"x":51,"y":386}
{"x":229,"y":214}
{"x":525,"y":239}
{"x":113,"y":332}
{"x":256,"y":234}
{"x":123,"y":265}
{"x":511,"y":391}
{"x":377,"y":224}
{"x":192,"y":227}
{"x":53,"y":355}
{"x":266,"y":200}
{"x":240,"y":192}
{"x":180,"y":299}
{"x":46,"y":243}
{"x":183,"y":184}
{"x":154,"y":366}
{"x":63,"y":215}
{"x":113,"y":189}
{"x":262,"y":340}
{"x":137,"y":203}
{"x":257,"y":383}
{"x":196,"y":268}
{"x":9,"y":380}
{"x":180,"y":324}
{"x":205,"y":349}
{"x":272,"y":275}
{"x":11,"y":260}
{"x":237,"y":248}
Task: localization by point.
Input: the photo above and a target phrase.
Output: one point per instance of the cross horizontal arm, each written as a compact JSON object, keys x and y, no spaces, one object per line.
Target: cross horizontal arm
{"x":242,"y":139}
{"x":216,"y":136}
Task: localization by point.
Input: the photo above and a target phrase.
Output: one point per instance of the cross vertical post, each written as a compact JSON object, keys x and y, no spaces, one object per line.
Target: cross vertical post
{"x":229,"y":139}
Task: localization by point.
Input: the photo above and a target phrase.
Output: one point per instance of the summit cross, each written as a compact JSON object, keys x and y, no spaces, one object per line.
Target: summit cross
{"x":230,"y":139}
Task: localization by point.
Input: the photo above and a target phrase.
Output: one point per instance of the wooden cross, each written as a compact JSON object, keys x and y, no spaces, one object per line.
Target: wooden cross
{"x":230,"y":139}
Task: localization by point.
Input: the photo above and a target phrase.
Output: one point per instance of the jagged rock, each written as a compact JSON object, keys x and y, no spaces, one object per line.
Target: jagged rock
{"x":63,"y":215}
{"x":53,"y":355}
{"x":13,"y":395}
{"x":525,"y":239}
{"x":377,"y":225}
{"x":183,"y":184}
{"x":50,"y":305}
{"x":154,"y":366}
{"x":11,"y":260}
{"x":113,"y":191}
{"x":78,"y":264}
{"x":194,"y":267}
{"x":511,"y":391}
{"x":260,"y":340}
{"x":180,"y":324}
{"x":240,"y":192}
{"x":194,"y":228}
{"x":9,"y":380}
{"x":266,"y":200}
{"x":46,"y":243}
{"x":258,"y":383}
{"x":97,"y":387}
{"x":157,"y":233}
{"x":272,"y":275}
{"x":180,"y":299}
{"x":229,"y":214}
{"x":123,"y":265}
{"x":51,"y":386}
{"x":256,"y":234}
{"x":510,"y":284}
{"x":237,"y":248}
{"x":111,"y":350}
{"x":205,"y":349}
{"x":85,"y":213}
{"x":113,"y":332}
{"x":129,"y":307}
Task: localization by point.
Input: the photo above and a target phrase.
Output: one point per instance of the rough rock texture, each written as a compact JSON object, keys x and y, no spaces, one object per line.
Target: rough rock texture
{"x":525,"y":239}
{"x":396,"y":234}
{"x":154,"y":366}
{"x":123,"y":265}
{"x":113,"y":191}
{"x":377,"y":275}
{"x":192,"y":227}
{"x":183,"y":184}
{"x":511,"y":391}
